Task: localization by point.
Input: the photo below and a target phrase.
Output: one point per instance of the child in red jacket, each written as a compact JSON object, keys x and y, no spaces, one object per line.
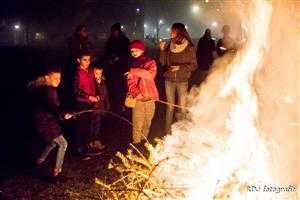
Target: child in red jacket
{"x":141,"y":86}
{"x":86,"y":98}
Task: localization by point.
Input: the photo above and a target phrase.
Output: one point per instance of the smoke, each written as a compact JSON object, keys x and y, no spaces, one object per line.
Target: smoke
{"x":243,"y":125}
{"x":277,"y":87}
{"x":275,"y":83}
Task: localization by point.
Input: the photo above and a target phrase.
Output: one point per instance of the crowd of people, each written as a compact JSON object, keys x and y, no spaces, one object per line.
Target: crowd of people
{"x":124,"y":78}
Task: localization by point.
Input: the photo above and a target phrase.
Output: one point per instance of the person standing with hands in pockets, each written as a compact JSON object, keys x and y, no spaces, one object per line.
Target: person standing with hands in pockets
{"x":179,"y":59}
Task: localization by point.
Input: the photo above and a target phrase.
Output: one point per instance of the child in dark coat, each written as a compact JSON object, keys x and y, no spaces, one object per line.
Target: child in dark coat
{"x":102,"y":105}
{"x":46,"y":116}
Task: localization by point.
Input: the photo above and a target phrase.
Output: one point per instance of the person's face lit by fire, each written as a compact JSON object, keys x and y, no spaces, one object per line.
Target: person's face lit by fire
{"x":98,"y":73}
{"x":53,"y":79}
{"x":136,"y":52}
{"x":173,"y":33}
{"x":84,"y":62}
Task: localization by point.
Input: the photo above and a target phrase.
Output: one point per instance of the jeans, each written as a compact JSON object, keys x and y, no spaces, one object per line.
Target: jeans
{"x":171,"y":88}
{"x":142,"y":115}
{"x":62,"y":144}
{"x":96,"y":123}
{"x":83,"y":130}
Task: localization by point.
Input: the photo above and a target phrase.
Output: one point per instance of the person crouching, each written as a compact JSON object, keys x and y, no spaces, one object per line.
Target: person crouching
{"x":141,"y":87}
{"x":47,"y":114}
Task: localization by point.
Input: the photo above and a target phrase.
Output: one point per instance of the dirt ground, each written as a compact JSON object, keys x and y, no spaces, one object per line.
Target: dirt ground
{"x":19,"y":178}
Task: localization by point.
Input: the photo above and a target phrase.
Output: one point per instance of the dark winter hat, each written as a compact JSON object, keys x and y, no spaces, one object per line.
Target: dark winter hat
{"x":137,"y":44}
{"x":116,"y":27}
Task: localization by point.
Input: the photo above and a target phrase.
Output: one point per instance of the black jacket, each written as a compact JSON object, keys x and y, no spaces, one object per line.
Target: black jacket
{"x":46,"y":107}
{"x":205,"y":48}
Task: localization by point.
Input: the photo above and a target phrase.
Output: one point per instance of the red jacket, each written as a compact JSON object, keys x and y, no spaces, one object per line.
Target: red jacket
{"x":141,"y":81}
{"x":84,"y":85}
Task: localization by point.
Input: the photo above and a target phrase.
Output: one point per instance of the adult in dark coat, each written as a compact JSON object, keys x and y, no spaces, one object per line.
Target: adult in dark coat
{"x":179,"y":61}
{"x":205,"y":48}
{"x":116,"y":57}
{"x":80,"y":42}
{"x":226,"y":44}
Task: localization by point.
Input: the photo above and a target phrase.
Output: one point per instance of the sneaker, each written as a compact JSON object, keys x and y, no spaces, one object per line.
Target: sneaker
{"x":86,"y":158}
{"x":56,"y":172}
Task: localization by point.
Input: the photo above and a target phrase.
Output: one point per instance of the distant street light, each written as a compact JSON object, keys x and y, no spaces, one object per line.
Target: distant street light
{"x":137,"y":10}
{"x":122,"y":27}
{"x":17,"y":27}
{"x":195,"y":9}
{"x":145,"y":25}
{"x":214,"y":24}
{"x":159,"y":25}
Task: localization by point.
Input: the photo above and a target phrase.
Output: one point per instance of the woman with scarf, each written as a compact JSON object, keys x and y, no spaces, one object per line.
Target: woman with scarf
{"x":179,"y":60}
{"x":141,"y":87}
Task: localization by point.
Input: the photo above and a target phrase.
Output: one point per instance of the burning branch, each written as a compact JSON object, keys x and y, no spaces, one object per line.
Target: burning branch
{"x":137,"y":181}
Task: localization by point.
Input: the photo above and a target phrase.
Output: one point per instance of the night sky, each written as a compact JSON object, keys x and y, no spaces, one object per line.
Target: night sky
{"x":48,"y":15}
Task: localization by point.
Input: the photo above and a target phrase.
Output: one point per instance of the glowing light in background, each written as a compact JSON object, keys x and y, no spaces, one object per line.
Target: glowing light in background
{"x":214,"y":24}
{"x":17,"y":27}
{"x":195,"y":9}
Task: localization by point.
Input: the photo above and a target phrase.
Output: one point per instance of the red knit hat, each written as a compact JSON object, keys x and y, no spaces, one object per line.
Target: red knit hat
{"x":137,"y":44}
